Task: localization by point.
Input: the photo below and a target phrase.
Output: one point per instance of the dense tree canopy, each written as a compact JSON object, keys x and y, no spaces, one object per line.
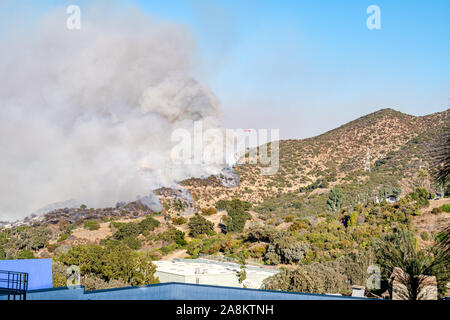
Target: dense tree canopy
{"x":113,"y":261}
{"x":237,"y":213}
{"x":198,"y":225}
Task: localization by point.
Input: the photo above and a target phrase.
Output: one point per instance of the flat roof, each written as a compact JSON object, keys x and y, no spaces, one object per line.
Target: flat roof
{"x":189,"y":267}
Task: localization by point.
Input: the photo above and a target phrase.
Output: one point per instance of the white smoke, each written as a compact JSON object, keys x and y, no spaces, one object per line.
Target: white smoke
{"x":87,"y":114}
{"x":151,"y":201}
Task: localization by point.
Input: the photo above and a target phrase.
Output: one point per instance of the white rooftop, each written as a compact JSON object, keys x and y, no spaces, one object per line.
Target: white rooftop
{"x":188,"y":267}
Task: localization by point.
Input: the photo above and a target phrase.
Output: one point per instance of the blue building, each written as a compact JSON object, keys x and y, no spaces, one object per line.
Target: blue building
{"x":39,"y":271}
{"x":173,"y":291}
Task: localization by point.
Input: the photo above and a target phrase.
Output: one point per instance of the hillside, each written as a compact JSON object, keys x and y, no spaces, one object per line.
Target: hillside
{"x":398,"y":146}
{"x":280,"y":220}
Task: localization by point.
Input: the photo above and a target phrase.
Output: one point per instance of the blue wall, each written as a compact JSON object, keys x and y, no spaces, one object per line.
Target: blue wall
{"x":39,"y":271}
{"x":174,"y":291}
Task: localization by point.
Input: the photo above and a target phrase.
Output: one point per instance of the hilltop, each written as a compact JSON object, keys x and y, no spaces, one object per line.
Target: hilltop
{"x":397,"y":143}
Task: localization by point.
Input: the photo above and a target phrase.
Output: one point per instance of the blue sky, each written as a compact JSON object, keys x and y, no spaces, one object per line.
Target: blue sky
{"x":309,"y":66}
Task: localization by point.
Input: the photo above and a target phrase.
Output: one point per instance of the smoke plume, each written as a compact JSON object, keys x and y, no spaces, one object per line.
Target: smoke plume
{"x":87,"y":114}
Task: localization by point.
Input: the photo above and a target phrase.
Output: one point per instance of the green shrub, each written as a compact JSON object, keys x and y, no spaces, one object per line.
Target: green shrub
{"x":425,"y":236}
{"x":262,"y":233}
{"x":420,"y":195}
{"x":397,"y":191}
{"x":133,"y":243}
{"x":258,"y":250}
{"x":132,"y":230}
{"x":436,"y":210}
{"x":25,"y":254}
{"x":148,"y":224}
{"x":352,"y":219}
{"x":209,"y":211}
{"x":445,"y":207}
{"x":51,"y":247}
{"x":317,"y":278}
{"x":179,"y":221}
{"x":32,"y":238}
{"x":59,"y":274}
{"x":289,"y":218}
{"x":168,"y":249}
{"x":126,"y":230}
{"x":296,"y":226}
{"x":193,"y":247}
{"x":63,"y":237}
{"x":173,"y":235}
{"x":91,"y":225}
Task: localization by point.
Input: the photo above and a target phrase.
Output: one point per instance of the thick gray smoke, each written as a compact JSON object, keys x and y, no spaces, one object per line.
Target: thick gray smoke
{"x":87,"y":114}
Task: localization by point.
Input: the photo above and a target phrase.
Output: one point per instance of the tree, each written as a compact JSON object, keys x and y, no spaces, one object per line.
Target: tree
{"x":127,"y":230}
{"x":199,"y":225}
{"x":242,"y":274}
{"x":32,"y":238}
{"x":420,"y":195}
{"x":262,"y":233}
{"x":133,"y":243}
{"x":335,"y":200}
{"x":173,"y":235}
{"x":237,"y":213}
{"x":113,"y":261}
{"x":352,"y":220}
{"x":316,"y":278}
{"x":396,"y":191}
{"x":144,"y":271}
{"x":148,"y":224}
{"x":59,"y":274}
{"x":383,"y":193}
{"x":286,"y":250}
{"x":335,"y":276}
{"x":400,"y":250}
{"x":440,"y":157}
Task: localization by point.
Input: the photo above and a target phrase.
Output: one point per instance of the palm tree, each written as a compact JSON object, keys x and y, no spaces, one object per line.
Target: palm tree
{"x":440,"y":156}
{"x":399,"y":250}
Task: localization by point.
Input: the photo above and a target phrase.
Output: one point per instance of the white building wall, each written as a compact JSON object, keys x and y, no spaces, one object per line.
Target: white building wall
{"x":169,"y":277}
{"x":226,"y":280}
